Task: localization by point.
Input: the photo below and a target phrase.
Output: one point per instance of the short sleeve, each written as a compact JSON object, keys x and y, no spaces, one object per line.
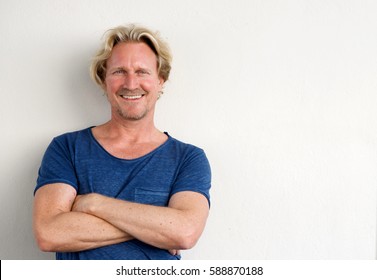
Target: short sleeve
{"x":194,"y":174}
{"x":57,"y":165}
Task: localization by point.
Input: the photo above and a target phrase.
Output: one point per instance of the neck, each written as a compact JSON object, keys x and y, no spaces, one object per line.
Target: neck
{"x":132,"y":131}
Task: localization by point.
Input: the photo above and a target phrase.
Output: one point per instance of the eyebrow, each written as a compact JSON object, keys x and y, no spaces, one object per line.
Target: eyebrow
{"x":116,"y":68}
{"x":137,"y":69}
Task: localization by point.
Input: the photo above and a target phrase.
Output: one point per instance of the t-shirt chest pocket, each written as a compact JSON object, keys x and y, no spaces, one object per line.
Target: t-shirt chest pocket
{"x":152,"y":197}
{"x":152,"y":188}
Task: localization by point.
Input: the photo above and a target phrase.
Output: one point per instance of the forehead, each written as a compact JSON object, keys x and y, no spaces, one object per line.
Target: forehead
{"x":132,"y":52}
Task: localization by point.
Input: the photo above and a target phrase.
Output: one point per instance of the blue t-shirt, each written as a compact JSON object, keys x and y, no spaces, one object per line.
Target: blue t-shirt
{"x":79,"y":160}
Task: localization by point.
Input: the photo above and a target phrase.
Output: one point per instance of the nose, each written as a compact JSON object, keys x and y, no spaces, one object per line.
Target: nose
{"x":131,"y":81}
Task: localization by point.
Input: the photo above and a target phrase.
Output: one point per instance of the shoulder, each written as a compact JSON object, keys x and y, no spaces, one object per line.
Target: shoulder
{"x":73,"y":136}
{"x":68,"y":142}
{"x":186,"y":150}
{"x":182,"y":145}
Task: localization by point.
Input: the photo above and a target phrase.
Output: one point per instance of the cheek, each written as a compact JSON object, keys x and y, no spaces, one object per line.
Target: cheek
{"x":112,"y":86}
{"x":150,"y":86}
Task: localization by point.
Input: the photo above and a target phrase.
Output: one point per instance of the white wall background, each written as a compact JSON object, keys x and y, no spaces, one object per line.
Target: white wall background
{"x":280,"y":94}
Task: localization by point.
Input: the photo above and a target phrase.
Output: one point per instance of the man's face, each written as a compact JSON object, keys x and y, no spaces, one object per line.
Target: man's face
{"x":132,"y":83}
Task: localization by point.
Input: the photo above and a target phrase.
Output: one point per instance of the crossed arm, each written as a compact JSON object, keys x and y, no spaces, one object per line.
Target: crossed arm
{"x":66,"y":222}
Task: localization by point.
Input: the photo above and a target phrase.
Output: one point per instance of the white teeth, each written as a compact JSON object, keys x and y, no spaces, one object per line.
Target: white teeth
{"x":131,"y":96}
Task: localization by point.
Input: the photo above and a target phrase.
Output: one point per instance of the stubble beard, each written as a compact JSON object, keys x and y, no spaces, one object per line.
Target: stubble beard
{"x":128,"y":114}
{"x":125,"y":115}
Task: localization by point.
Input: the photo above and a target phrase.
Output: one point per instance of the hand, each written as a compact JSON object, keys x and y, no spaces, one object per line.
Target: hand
{"x":84,"y":203}
{"x":174,"y":252}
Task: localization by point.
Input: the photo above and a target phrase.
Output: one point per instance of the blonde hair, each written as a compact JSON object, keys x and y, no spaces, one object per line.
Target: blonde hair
{"x":131,"y":33}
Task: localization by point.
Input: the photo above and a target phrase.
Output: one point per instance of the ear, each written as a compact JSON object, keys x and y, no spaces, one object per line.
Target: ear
{"x":161,"y":81}
{"x":104,"y":86}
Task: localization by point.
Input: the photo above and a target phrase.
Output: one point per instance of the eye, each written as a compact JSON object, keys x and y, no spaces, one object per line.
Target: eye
{"x":142,"y":72}
{"x":119,"y":71}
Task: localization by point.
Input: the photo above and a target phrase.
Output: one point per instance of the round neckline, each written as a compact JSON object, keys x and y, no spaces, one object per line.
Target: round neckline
{"x":124,"y":159}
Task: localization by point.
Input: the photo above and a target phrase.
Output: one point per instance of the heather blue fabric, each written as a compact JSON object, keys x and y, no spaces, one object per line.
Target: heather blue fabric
{"x":77,"y":159}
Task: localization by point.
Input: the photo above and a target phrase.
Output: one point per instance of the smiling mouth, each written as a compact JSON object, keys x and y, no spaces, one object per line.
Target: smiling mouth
{"x":127,"y":94}
{"x":132,"y":97}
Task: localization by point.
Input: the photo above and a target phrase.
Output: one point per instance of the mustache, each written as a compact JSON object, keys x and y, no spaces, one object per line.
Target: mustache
{"x":128,"y":92}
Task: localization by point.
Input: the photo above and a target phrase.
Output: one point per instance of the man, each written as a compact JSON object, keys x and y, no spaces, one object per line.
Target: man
{"x":123,"y":189}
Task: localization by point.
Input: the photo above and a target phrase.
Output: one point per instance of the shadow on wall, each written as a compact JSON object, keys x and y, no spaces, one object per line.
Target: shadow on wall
{"x":89,"y":104}
{"x":17,"y":236}
{"x":82,"y":104}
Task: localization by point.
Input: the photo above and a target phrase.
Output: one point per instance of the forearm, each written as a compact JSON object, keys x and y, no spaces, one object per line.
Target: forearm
{"x":158,"y":226}
{"x":170,"y":227}
{"x":75,"y":231}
